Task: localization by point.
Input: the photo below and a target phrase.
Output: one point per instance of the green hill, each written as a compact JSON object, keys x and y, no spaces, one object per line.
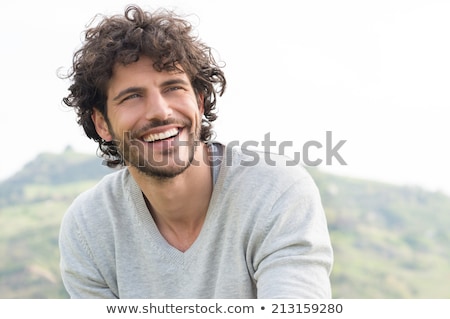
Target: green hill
{"x":32,"y":203}
{"x":389,"y":241}
{"x":47,"y":170}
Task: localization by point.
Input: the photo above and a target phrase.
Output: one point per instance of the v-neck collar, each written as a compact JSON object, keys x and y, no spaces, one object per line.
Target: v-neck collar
{"x":146,"y":220}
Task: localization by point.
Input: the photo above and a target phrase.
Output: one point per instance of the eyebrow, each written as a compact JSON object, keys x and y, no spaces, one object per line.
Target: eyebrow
{"x":126,"y":91}
{"x":175,"y":81}
{"x":134,"y":89}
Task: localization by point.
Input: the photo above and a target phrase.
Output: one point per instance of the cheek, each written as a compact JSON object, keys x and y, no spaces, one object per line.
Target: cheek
{"x":123,"y":121}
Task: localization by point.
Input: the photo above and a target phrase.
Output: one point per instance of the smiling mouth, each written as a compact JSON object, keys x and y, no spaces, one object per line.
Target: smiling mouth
{"x":156,"y":137}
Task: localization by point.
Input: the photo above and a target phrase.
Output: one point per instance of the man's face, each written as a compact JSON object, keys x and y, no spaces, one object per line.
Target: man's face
{"x":154,"y":117}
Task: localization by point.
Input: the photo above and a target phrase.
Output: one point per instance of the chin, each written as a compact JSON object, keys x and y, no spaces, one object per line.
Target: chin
{"x":161,"y":173}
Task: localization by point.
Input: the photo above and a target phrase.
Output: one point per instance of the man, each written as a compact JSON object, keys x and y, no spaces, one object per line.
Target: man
{"x":186,"y":217}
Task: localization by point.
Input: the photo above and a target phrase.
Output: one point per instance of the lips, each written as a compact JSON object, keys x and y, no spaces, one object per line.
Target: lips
{"x":153,"y":137}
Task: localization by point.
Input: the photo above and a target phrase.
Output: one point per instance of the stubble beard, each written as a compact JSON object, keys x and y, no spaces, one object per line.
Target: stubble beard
{"x":136,"y":155}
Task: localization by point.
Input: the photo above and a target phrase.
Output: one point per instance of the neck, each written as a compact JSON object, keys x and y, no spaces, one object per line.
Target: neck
{"x":179,"y":205}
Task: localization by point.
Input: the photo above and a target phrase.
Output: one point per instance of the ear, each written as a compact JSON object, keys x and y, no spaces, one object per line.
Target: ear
{"x":101,"y":125}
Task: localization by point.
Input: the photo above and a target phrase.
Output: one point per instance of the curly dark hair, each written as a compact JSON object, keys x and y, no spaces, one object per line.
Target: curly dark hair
{"x":164,"y":37}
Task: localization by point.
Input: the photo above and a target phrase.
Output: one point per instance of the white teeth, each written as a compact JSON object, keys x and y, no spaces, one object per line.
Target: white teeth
{"x":161,"y":136}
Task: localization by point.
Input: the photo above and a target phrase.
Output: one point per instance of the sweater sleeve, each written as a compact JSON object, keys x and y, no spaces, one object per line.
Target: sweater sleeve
{"x":293,"y":258}
{"x":80,"y":275}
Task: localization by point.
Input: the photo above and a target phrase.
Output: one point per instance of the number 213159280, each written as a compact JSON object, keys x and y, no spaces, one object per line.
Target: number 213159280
{"x":306,"y":308}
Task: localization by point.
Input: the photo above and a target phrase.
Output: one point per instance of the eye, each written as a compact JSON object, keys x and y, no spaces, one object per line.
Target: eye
{"x":174,"y":88}
{"x":131,"y":96}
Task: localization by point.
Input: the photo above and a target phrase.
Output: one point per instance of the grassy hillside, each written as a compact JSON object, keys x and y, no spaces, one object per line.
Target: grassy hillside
{"x":389,"y":241}
{"x":32,"y":203}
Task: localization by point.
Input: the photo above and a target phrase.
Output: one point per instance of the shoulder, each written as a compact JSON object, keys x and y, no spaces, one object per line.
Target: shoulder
{"x":110,"y":184}
{"x":94,"y":203}
{"x":262,"y":169}
{"x":265,"y":186}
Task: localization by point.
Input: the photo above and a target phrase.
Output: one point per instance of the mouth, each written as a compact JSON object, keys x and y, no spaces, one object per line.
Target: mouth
{"x":162,"y":136}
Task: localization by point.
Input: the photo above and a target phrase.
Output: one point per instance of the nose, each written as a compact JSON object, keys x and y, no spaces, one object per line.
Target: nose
{"x":157,"y":107}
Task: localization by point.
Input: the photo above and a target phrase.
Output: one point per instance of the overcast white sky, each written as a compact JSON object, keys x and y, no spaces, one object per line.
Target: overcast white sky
{"x":375,"y":73}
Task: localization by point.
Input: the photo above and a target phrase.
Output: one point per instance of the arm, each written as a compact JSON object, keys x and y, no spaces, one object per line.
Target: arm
{"x":295,"y":257}
{"x":80,"y":274}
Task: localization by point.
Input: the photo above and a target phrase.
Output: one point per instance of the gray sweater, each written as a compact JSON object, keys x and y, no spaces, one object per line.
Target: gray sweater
{"x":265,"y":236}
